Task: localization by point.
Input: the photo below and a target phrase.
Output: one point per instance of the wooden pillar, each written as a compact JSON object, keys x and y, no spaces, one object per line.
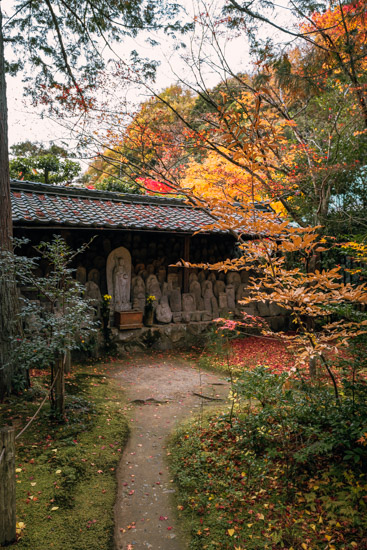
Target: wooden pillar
{"x":186,"y":259}
{"x":7,"y":486}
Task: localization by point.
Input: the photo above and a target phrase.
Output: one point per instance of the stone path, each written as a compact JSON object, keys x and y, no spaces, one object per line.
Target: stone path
{"x":162,"y":389}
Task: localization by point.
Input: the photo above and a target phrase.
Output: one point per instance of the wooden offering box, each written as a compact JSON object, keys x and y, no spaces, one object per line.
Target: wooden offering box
{"x":126,"y":320}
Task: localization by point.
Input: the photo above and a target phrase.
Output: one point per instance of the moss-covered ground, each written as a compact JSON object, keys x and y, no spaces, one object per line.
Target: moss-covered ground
{"x":66,"y":471}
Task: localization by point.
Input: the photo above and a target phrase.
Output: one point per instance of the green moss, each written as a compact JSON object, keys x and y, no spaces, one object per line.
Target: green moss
{"x":66,"y":482}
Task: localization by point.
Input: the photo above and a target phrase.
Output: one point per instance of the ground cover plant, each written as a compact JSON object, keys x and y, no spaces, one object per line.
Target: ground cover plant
{"x":66,"y":471}
{"x":284,"y":468}
{"x":231,"y":355}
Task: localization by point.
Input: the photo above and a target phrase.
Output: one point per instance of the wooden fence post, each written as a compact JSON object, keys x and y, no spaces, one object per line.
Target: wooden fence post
{"x":7,"y":486}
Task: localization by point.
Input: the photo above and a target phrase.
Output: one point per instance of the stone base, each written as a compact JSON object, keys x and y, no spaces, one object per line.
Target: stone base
{"x":161,"y":337}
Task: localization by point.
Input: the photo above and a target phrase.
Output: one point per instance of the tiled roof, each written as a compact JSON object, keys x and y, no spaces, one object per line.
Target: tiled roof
{"x":41,"y":204}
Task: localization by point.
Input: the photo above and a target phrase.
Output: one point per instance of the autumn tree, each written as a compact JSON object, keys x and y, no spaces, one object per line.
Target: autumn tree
{"x":58,"y":47}
{"x":331,"y":37}
{"x":295,"y":125}
{"x":150,"y":142}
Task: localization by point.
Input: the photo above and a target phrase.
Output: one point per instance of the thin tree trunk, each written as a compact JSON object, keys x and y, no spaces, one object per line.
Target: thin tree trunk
{"x":8,"y":293}
{"x":58,"y":401}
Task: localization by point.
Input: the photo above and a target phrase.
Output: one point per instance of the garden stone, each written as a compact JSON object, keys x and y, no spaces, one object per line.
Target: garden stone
{"x":81,"y":275}
{"x":173,"y":279}
{"x":222,"y":302}
{"x":137,"y":284}
{"x":188,"y":302}
{"x":177,"y":316}
{"x":215,"y":309}
{"x":212,"y":277}
{"x":153,"y":288}
{"x":195,"y":290}
{"x":234,"y":278}
{"x":206,"y":316}
{"x":196,"y":316}
{"x":208,"y":295}
{"x":93,"y":294}
{"x":139,"y":301}
{"x":143,"y":274}
{"x":175,"y":300}
{"x":263,"y":308}
{"x":138,"y":293}
{"x":163,"y":312}
{"x":251,"y":309}
{"x":166,"y":289}
{"x":241,"y":292}
{"x":94,"y":275}
{"x":201,"y":276}
{"x":231,"y":299}
{"x":186,"y":316}
{"x":206,"y":285}
{"x":161,"y":276}
{"x":275,"y":310}
{"x":219,"y":286}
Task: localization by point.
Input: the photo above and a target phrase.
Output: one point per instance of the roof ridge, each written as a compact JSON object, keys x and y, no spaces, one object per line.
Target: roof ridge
{"x":83,"y":192}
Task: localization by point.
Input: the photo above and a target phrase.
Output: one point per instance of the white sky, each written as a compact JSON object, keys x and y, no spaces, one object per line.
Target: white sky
{"x":25,"y":121}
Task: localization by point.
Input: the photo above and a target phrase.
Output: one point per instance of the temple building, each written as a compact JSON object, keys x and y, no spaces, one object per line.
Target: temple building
{"x":135,"y":242}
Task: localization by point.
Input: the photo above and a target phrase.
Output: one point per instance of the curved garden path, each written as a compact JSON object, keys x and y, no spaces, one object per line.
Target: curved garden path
{"x":161,"y":388}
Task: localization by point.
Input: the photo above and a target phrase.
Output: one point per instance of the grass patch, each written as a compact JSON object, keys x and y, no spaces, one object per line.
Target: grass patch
{"x":66,"y":482}
{"x":288,"y":472}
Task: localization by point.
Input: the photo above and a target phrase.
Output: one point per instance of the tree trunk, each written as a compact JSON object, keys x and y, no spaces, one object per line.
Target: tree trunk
{"x":8,"y":293}
{"x":7,"y":487}
{"x":58,"y":398}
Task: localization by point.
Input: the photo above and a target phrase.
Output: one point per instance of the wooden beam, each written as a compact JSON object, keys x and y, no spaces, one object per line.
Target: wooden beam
{"x":186,"y":257}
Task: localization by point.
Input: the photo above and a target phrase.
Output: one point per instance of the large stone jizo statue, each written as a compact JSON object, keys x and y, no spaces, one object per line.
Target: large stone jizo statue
{"x":119,"y":278}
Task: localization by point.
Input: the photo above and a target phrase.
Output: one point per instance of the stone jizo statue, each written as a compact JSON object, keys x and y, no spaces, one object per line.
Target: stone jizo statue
{"x":121,"y":285}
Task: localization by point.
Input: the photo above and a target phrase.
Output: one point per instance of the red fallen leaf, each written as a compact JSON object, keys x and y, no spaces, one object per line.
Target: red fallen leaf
{"x":131,"y":492}
{"x":163,"y":518}
{"x":99,"y":471}
{"x":169,"y":528}
{"x":157,"y":482}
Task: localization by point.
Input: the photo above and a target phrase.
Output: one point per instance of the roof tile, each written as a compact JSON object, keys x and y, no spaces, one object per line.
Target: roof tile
{"x":52,"y":205}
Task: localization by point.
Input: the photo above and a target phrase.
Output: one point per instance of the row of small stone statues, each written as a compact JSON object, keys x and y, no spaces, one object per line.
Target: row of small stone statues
{"x":210,"y":295}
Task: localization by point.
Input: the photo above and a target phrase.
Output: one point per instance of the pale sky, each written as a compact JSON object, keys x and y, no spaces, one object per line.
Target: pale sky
{"x":25,"y":121}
